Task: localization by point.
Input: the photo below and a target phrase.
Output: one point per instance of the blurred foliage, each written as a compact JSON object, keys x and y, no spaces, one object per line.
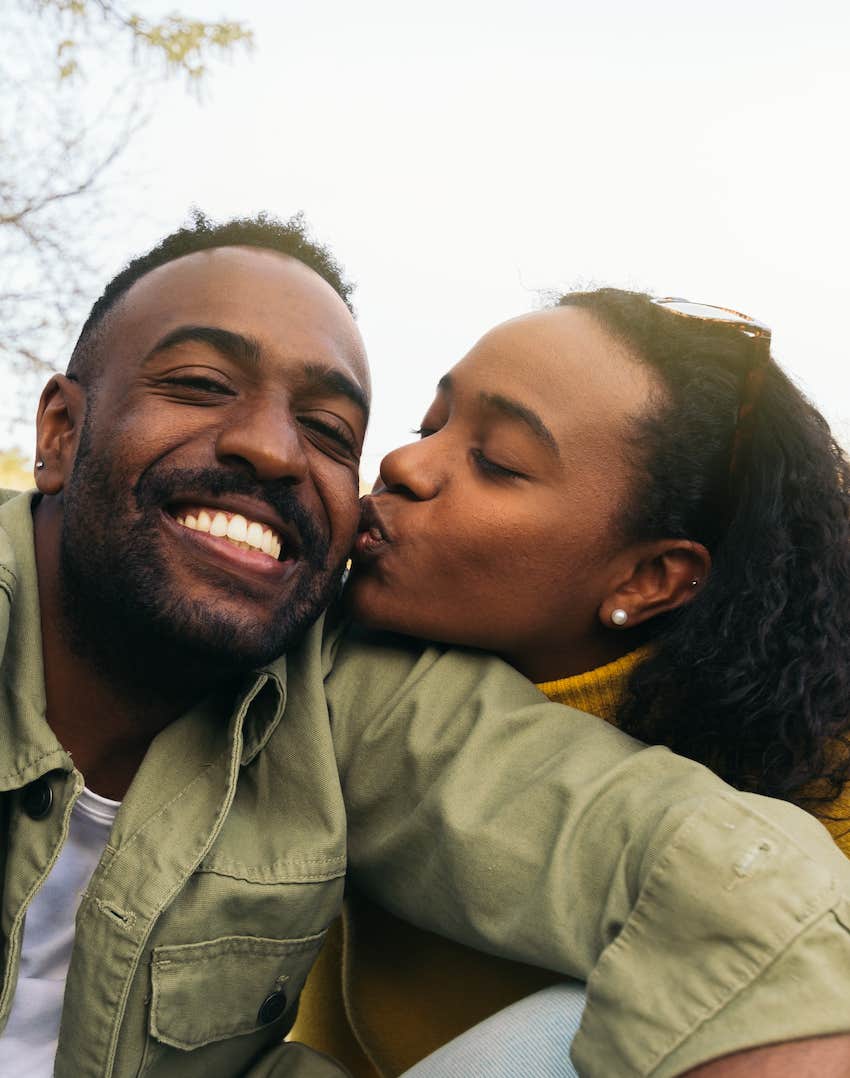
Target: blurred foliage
{"x":183,"y":44}
{"x":78,"y":78}
{"x":15,"y":471}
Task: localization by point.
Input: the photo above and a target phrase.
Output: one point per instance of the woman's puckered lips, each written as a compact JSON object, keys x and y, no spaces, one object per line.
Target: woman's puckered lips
{"x":372,"y":520}
{"x":372,"y":536}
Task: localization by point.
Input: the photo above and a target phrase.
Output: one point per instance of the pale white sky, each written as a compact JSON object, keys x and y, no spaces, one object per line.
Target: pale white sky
{"x":459,"y":156}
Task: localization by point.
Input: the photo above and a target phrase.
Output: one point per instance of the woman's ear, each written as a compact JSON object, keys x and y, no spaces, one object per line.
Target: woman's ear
{"x":661,"y":576}
{"x":61,"y":411}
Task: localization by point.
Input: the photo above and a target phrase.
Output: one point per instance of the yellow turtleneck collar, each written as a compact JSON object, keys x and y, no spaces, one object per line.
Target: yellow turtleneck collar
{"x":600,"y":691}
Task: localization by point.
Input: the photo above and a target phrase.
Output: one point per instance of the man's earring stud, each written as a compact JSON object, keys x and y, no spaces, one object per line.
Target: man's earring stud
{"x":39,"y":464}
{"x":619,"y":616}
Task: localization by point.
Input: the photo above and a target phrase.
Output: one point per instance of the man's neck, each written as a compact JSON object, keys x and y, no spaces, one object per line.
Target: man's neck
{"x":106,"y":730}
{"x":104,"y":721}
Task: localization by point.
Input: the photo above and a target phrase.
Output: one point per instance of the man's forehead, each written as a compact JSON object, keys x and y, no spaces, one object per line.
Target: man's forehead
{"x":264,"y":294}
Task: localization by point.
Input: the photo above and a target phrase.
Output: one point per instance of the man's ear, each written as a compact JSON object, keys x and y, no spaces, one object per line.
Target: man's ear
{"x":661,"y":576}
{"x":61,"y":411}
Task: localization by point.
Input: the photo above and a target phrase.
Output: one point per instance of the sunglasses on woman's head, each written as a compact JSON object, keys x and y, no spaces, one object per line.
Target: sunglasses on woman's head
{"x":707,"y":312}
{"x":751,"y":383}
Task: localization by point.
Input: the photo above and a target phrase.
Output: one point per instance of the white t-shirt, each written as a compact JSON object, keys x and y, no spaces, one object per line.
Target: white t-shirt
{"x":28,"y":1043}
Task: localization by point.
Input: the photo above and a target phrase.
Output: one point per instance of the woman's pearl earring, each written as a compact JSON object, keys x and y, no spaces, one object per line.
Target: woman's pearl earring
{"x":39,"y":464}
{"x":619,"y":617}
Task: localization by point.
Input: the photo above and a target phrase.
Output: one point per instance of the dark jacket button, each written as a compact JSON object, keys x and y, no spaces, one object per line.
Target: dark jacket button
{"x":272,"y":1007}
{"x":37,"y":799}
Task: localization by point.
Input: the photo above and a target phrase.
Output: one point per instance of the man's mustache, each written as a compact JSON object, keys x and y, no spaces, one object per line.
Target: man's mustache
{"x":156,"y":488}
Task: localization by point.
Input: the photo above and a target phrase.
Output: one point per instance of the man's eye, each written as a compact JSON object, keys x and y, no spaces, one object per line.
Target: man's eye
{"x":326,"y":431}
{"x":423,"y":431}
{"x":200,"y":383}
{"x":491,"y":469}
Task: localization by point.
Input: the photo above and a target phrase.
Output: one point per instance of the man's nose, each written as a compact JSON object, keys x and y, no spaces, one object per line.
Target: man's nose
{"x":415,"y":470}
{"x":267,"y":439}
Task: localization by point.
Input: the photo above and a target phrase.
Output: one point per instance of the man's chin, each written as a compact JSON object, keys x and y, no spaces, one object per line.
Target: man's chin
{"x":233,"y":636}
{"x":141,"y":612}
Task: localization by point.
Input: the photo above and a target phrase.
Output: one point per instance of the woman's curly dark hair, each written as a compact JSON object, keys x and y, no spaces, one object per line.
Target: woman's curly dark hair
{"x":752,"y":677}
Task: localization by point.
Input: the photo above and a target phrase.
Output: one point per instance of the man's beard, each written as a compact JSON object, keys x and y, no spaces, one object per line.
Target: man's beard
{"x":121,"y":608}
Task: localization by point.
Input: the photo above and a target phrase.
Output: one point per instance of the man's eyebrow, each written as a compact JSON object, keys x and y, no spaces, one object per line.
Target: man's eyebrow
{"x":236,"y":346}
{"x":512,"y":409}
{"x":330,"y":380}
{"x":246,"y":351}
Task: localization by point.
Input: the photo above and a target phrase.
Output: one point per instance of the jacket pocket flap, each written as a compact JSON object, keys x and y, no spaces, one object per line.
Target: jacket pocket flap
{"x":204,"y":992}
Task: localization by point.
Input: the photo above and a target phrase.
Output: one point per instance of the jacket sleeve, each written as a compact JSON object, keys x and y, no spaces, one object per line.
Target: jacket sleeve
{"x":704,"y":920}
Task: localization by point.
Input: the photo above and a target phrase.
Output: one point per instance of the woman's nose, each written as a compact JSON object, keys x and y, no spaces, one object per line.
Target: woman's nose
{"x":413,"y":470}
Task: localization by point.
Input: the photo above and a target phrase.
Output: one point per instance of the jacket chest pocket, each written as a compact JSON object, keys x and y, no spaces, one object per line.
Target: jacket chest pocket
{"x":209,"y":998}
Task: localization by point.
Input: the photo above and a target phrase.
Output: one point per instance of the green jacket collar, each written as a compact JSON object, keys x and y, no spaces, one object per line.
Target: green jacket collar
{"x":28,"y":746}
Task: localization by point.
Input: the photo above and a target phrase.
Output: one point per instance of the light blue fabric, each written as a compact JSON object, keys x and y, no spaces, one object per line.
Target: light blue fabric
{"x":529,"y":1039}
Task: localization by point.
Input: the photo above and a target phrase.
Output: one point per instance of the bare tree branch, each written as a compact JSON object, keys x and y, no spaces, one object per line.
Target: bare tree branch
{"x":36,"y":205}
{"x":58,"y":155}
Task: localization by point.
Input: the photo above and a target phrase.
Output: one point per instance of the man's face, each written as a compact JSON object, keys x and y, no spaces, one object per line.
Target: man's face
{"x":213,"y":497}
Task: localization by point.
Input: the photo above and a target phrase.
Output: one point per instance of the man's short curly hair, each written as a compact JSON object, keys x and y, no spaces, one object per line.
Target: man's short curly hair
{"x":286,"y":237}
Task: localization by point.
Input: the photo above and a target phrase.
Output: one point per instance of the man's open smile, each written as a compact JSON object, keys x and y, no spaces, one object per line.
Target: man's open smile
{"x":233,"y":528}
{"x":236,"y":535}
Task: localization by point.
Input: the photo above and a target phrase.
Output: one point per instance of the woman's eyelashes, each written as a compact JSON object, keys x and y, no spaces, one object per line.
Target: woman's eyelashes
{"x":483,"y":464}
{"x":493,"y":470}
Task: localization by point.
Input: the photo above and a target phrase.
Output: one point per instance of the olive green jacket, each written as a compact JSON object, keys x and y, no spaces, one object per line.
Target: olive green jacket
{"x":704,"y":920}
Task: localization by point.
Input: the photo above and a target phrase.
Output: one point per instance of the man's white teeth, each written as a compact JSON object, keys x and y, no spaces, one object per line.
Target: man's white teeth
{"x":247,"y":535}
{"x":237,"y":529}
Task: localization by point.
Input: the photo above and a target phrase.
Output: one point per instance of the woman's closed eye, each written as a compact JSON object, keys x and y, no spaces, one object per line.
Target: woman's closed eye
{"x":482,"y":462}
{"x":493,"y":470}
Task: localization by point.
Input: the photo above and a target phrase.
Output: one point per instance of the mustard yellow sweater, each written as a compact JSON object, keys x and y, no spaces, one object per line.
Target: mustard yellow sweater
{"x":384,"y":995}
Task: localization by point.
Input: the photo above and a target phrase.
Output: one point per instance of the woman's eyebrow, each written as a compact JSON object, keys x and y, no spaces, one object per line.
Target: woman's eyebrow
{"x":512,"y":409}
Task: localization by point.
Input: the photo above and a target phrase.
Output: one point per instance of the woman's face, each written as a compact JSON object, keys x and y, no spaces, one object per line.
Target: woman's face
{"x":499,"y":528}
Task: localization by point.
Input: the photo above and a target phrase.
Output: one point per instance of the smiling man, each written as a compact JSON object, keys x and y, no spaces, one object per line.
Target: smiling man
{"x":180,"y":806}
{"x":218,"y":410}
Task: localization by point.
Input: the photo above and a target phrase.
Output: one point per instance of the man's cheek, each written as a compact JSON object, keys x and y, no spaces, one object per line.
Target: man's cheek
{"x":343,"y":518}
